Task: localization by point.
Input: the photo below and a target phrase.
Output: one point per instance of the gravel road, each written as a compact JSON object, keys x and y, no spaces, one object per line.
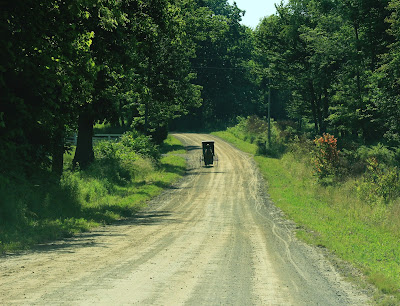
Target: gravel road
{"x":213,"y":239}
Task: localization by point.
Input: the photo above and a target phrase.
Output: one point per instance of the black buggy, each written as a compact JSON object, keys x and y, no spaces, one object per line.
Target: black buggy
{"x":208,"y":157}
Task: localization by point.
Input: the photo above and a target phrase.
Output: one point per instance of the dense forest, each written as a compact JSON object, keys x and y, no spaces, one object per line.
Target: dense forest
{"x":339,"y":59}
{"x":328,"y":66}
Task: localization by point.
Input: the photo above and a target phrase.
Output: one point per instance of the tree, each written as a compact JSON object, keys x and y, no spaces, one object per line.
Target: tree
{"x":290,"y":60}
{"x":326,"y":53}
{"x":166,"y":50}
{"x":39,"y":63}
{"x":387,"y":92}
{"x":222,"y":64}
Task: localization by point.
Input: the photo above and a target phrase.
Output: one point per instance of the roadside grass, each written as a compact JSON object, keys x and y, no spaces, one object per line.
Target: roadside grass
{"x":106,"y":128}
{"x":172,"y":146}
{"x":237,"y":142}
{"x":333,"y":217}
{"x":81,"y":201}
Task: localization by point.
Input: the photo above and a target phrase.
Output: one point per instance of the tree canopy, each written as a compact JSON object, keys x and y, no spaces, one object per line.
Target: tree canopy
{"x":337,"y":58}
{"x":151,"y":64}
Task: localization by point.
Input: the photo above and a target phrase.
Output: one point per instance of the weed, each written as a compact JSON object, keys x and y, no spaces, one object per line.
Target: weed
{"x":116,"y":186}
{"x":172,"y":146}
{"x":335,"y":217}
{"x":380,"y":183}
{"x":325,"y":158}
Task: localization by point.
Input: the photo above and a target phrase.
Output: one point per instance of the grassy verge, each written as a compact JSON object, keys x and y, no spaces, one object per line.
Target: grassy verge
{"x":83,"y":201}
{"x":237,"y":142}
{"x":333,"y":217}
{"x":172,"y":146}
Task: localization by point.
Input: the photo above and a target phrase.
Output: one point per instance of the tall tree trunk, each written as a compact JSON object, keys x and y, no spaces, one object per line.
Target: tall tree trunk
{"x":358,"y":47}
{"x":325,"y":110}
{"x":315,"y":118}
{"x":84,"y":155}
{"x":313,"y":107}
{"x":146,"y":118}
{"x":319,"y":114}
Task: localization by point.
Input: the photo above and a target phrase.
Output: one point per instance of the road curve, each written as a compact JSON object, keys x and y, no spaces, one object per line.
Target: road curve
{"x":213,"y":239}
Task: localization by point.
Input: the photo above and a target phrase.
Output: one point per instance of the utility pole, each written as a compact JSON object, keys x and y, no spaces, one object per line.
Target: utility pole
{"x":269,"y":113}
{"x":147,"y":98}
{"x":146,"y":116}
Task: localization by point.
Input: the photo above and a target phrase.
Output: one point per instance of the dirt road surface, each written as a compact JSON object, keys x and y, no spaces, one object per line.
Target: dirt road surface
{"x":213,"y":239}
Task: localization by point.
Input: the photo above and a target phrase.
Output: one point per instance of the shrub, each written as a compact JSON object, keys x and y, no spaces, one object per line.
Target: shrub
{"x":255,"y":130}
{"x":12,"y":199}
{"x":382,"y":153}
{"x":261,"y":144}
{"x":301,"y":148}
{"x":111,"y":159}
{"x":254,"y":125}
{"x":240,"y":129}
{"x":380,"y":183}
{"x":142,"y":167}
{"x":325,"y":158}
{"x":116,"y":161}
{"x":140,"y":144}
{"x":354,"y":162}
{"x":159,"y":134}
{"x":277,"y":145}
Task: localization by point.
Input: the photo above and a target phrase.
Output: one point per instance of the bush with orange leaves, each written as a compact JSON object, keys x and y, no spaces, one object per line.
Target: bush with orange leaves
{"x":325,"y":158}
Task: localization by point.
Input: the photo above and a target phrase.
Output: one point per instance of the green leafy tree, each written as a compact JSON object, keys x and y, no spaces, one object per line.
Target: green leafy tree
{"x":222,"y":64}
{"x":326,"y":53}
{"x":388,"y":80}
{"x":43,"y":54}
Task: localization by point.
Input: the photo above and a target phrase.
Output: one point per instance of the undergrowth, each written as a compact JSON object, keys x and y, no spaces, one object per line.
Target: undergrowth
{"x":356,"y":216}
{"x":124,"y":176}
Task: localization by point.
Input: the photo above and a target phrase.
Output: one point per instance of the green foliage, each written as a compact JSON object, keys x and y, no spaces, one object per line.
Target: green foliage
{"x":276,"y":146}
{"x":353,"y":162}
{"x":255,"y":130}
{"x":325,"y":158}
{"x":301,"y":148}
{"x":338,"y":61}
{"x":172,"y":146}
{"x":388,"y":76}
{"x":334,"y":217}
{"x":380,"y":152}
{"x":12,"y":206}
{"x":237,"y":142}
{"x":108,"y":128}
{"x":240,"y":129}
{"x":223,"y":66}
{"x":140,"y":144}
{"x":115,"y":186}
{"x":113,"y":161}
{"x":117,"y":160}
{"x":121,"y":61}
{"x":380,"y":183}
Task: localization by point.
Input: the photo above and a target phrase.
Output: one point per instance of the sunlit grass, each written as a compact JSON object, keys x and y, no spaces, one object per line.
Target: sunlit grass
{"x":82,"y":201}
{"x":172,"y":146}
{"x":335,"y":218}
{"x":238,"y":143}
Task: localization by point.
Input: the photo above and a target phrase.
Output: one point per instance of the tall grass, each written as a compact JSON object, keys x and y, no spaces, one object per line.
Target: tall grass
{"x":116,"y":186}
{"x":107,"y":128}
{"x":335,"y":217}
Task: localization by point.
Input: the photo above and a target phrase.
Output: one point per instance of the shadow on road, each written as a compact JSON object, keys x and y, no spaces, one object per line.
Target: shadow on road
{"x":152,"y":218}
{"x":84,"y":240}
{"x":192,"y":148}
